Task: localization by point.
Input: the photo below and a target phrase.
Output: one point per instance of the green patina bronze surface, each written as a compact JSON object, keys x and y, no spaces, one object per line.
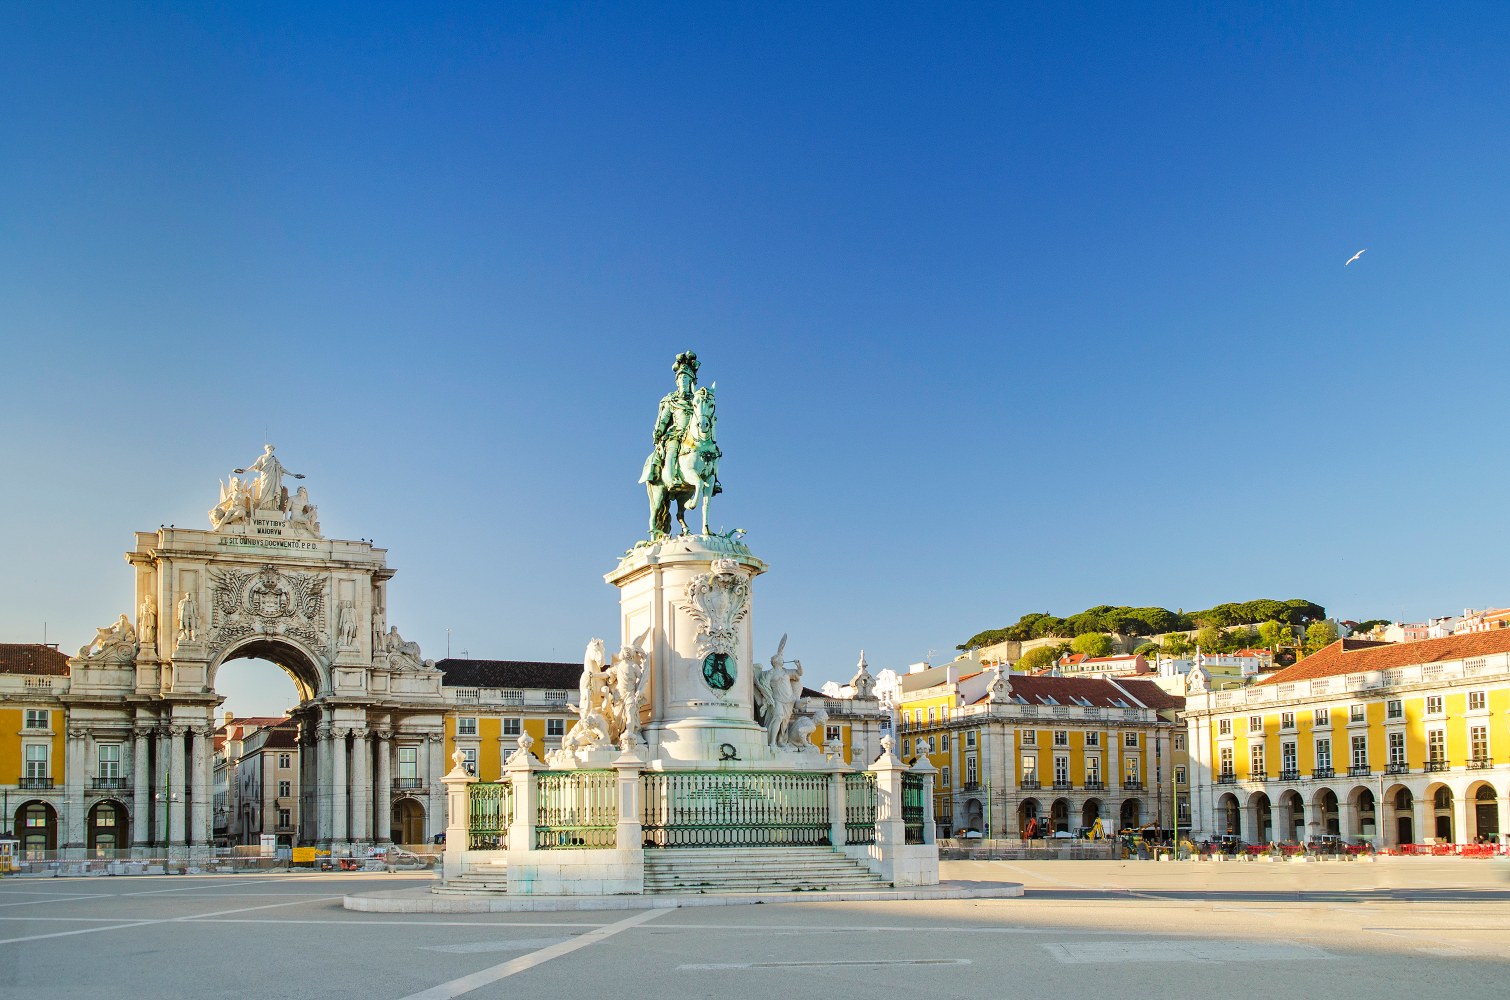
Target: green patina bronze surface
{"x":683,"y":463}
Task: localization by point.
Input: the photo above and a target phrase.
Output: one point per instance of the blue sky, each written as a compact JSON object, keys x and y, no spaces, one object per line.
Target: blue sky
{"x":1011,"y":307}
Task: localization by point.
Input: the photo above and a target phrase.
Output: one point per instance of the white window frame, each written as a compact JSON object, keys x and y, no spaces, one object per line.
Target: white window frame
{"x":512,"y":725}
{"x":108,"y":761}
{"x":37,"y":718}
{"x":38,"y":760}
{"x":466,"y":725}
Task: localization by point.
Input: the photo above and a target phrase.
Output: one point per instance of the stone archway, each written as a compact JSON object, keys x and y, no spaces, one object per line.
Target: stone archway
{"x":1484,"y":814}
{"x":108,"y":830}
{"x":262,"y":582}
{"x":1292,"y":813}
{"x":1400,"y":816}
{"x":1229,"y":816}
{"x":407,"y":825}
{"x":1131,"y":815}
{"x":1261,"y":827}
{"x":36,"y":826}
{"x":1328,"y":817}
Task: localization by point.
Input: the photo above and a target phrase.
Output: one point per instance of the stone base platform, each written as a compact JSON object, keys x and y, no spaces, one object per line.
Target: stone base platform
{"x":422,"y":900}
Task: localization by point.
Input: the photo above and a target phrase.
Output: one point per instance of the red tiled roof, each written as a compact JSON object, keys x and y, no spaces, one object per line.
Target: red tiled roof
{"x":32,"y":658}
{"x":1351,"y":656}
{"x":1151,"y":694}
{"x":1101,"y":692}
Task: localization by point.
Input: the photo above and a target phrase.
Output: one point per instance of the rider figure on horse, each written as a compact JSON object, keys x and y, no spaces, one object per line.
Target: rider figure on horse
{"x":663,"y":476}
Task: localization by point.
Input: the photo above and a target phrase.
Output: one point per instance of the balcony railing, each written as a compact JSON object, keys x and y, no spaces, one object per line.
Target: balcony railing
{"x":1289,"y":774}
{"x":1132,"y":784}
{"x":1359,"y":771}
{"x":1437,"y":765}
{"x":1095,"y":785}
{"x":36,"y":782}
{"x":1030,"y":783}
{"x":1062,"y":786}
{"x":1399,"y":768}
{"x":108,"y":784}
{"x":409,"y":783}
{"x":970,"y":786}
{"x":1322,"y":772}
{"x":1480,"y":763}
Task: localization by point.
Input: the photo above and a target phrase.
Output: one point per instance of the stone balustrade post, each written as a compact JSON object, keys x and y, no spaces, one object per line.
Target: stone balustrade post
{"x":458,"y":817}
{"x":838,"y":805}
{"x":519,"y":771}
{"x":891,"y":831}
{"x":630,"y":835}
{"x":929,"y":773}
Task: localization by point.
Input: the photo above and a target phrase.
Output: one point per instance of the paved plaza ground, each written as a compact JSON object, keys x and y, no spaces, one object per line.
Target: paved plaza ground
{"x":1106,"y":930}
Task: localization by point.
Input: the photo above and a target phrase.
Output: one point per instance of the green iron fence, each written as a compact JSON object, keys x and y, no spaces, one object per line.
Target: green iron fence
{"x":491,"y":810}
{"x":913,"y":811}
{"x":860,"y":808}
{"x":735,"y":809}
{"x":577,"y":810}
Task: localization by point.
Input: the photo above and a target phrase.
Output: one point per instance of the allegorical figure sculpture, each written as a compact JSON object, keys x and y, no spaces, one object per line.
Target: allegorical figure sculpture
{"x":683,"y":462}
{"x":114,"y":643}
{"x":777,"y":690}
{"x":267,"y":492}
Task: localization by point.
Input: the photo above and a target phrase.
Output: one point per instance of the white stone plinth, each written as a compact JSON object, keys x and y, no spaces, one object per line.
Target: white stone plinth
{"x":686,"y":719}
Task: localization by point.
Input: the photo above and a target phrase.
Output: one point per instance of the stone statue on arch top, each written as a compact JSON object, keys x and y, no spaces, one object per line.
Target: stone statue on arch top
{"x":683,"y":462}
{"x":267,"y":491}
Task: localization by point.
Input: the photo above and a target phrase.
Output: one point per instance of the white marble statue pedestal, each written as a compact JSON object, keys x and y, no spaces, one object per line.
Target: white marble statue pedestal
{"x":686,"y":720}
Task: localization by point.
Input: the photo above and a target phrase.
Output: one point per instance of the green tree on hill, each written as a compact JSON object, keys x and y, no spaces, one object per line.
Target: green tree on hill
{"x":1092,"y":644}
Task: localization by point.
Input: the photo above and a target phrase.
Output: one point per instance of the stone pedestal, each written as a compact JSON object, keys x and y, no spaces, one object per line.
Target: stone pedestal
{"x":700,"y":705}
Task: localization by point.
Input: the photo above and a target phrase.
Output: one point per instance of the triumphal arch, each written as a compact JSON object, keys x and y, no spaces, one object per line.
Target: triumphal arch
{"x":261,"y":581}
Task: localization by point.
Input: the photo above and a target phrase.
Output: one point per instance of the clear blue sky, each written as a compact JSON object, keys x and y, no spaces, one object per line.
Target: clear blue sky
{"x":1011,"y":307}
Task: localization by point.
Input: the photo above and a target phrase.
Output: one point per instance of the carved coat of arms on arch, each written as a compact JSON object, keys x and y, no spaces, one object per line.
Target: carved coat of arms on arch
{"x":267,"y":601}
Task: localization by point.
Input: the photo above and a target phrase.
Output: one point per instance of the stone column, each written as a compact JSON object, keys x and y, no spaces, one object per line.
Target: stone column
{"x":338,"y":786}
{"x":202,"y":818}
{"x":361,"y":787}
{"x":324,"y":787}
{"x":177,"y":789}
{"x":1460,"y":806}
{"x":435,"y":813}
{"x":160,"y":790}
{"x":382,"y":789}
{"x":1347,"y":819}
{"x":74,"y":780}
{"x":141,"y":788}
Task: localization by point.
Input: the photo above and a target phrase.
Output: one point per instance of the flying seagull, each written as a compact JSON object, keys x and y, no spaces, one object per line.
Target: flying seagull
{"x":1355,"y":256}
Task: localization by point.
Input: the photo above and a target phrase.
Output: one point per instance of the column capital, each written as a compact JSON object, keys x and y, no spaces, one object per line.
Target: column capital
{"x":77,"y":732}
{"x":323,"y":733}
{"x":383,"y":734}
{"x":360,"y":732}
{"x":177,"y":730}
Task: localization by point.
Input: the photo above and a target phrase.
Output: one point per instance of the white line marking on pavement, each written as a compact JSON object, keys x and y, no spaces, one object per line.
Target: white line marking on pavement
{"x":477,"y":980}
{"x":59,"y":899}
{"x":1091,"y":952}
{"x":714,"y":967}
{"x":145,"y":923}
{"x":483,"y":947}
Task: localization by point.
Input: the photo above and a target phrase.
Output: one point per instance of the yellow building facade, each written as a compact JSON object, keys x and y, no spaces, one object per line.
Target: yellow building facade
{"x":1060,"y":752}
{"x":1391,"y":743}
